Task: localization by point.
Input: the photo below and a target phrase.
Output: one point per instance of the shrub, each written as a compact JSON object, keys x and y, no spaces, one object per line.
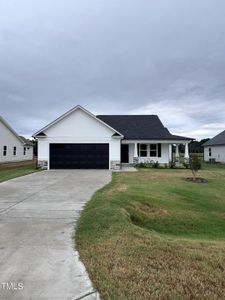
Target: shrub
{"x":141,"y":165}
{"x":186,"y":165}
{"x":155,"y":165}
{"x":144,"y":165}
{"x":171,"y":164}
{"x":195,"y":164}
{"x":148,"y":164}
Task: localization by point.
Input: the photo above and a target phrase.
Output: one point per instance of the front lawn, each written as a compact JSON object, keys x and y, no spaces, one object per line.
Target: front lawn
{"x":152,"y":235}
{"x":16,"y":172}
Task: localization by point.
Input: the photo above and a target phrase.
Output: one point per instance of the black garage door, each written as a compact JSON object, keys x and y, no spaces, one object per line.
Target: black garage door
{"x":79,"y":156}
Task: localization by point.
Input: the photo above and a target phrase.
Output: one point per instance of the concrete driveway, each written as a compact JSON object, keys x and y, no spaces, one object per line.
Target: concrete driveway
{"x":37,"y":217}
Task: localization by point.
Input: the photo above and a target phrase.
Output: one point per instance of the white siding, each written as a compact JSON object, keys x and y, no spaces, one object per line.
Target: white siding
{"x":43,"y":148}
{"x":78,"y":127}
{"x":81,"y":126}
{"x":217,"y":153}
{"x":7,"y":138}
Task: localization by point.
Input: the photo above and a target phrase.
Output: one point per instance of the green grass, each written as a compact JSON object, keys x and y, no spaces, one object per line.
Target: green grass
{"x":16,"y":172}
{"x":152,"y":235}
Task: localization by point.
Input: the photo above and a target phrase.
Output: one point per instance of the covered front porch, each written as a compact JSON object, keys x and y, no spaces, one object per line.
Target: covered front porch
{"x":141,"y":151}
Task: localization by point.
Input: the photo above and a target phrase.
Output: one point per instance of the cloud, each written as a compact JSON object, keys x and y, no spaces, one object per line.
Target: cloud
{"x":160,"y":57}
{"x":195,"y":118}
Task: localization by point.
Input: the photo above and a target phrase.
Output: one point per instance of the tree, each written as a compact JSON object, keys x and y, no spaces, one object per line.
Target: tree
{"x":194,"y":146}
{"x":195,"y":164}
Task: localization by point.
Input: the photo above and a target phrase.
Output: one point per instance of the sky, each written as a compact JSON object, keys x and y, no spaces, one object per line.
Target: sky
{"x":164,"y":57}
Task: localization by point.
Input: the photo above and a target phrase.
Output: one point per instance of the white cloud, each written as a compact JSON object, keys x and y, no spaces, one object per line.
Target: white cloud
{"x":189,"y":117}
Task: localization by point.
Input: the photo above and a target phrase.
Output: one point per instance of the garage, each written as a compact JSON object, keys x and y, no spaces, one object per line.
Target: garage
{"x":79,"y":156}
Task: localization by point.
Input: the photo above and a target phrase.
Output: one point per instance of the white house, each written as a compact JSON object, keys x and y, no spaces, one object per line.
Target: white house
{"x":80,"y":140}
{"x":13,"y":147}
{"x":214,"y":149}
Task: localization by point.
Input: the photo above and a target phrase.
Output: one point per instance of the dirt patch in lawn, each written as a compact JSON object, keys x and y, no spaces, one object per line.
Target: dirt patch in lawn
{"x":117,"y":188}
{"x":196,"y":180}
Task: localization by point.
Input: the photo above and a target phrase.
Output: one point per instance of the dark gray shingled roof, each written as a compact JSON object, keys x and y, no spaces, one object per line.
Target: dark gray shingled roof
{"x":140,"y":127}
{"x":219,"y":139}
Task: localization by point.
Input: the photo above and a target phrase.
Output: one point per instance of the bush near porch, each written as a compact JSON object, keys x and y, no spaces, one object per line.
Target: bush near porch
{"x":152,"y":235}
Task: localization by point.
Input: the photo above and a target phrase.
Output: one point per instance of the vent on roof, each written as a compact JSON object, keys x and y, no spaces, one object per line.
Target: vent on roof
{"x":41,"y":134}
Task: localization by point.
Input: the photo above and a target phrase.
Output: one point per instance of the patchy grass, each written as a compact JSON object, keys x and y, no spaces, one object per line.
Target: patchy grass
{"x":152,"y":235}
{"x":16,"y":172}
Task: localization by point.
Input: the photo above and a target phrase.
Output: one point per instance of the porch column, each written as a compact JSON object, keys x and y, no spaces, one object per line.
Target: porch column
{"x":177,"y":153}
{"x":186,"y":152}
{"x":135,"y":150}
{"x":135,"y":158}
{"x":170,"y":152}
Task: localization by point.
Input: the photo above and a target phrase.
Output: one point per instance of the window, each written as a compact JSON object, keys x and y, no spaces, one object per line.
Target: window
{"x":14,"y":150}
{"x":24,"y":150}
{"x":143,"y":150}
{"x":153,"y":150}
{"x":4,"y":150}
{"x":210,"y":152}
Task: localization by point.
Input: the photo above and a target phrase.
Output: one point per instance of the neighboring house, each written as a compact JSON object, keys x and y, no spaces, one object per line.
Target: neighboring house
{"x":13,"y":147}
{"x":80,"y":140}
{"x":214,"y":149}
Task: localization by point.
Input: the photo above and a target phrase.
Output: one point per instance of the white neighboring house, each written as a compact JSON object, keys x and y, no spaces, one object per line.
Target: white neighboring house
{"x":214,"y":149}
{"x":13,"y":147}
{"x":80,"y":140}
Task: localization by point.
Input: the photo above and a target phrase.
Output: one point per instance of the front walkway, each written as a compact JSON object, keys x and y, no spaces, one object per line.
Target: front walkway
{"x":126,"y":168}
{"x":37,"y":217}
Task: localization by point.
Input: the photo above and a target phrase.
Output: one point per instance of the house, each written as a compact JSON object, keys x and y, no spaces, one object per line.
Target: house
{"x":12,"y":146}
{"x":80,"y":140}
{"x":214,"y":149}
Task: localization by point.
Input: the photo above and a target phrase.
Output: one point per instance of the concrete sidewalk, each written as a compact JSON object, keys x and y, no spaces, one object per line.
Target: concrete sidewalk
{"x":37,"y":217}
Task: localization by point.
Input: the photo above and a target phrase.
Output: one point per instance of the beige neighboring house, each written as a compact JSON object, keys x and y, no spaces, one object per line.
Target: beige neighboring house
{"x":12,"y":146}
{"x":214,"y":149}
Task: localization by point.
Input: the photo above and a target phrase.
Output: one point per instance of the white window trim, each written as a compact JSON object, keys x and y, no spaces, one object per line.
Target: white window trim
{"x":157,"y":150}
{"x":14,"y":151}
{"x":5,"y":150}
{"x":210,"y":152}
{"x":148,"y":150}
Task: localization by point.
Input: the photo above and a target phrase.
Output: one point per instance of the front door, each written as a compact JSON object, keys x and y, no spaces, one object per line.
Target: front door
{"x":124,"y":153}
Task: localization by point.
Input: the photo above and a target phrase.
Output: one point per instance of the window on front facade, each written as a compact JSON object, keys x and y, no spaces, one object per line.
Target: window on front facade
{"x":143,"y":150}
{"x":210,"y":152}
{"x":24,"y":151}
{"x":153,"y":150}
{"x":14,"y":150}
{"x":4,"y":150}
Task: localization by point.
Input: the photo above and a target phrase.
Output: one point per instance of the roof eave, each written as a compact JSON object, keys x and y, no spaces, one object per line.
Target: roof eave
{"x":160,"y":139}
{"x":211,"y":145}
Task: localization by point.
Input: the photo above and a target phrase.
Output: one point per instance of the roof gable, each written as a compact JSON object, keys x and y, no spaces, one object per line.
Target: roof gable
{"x":219,"y":139}
{"x":3,"y":121}
{"x":41,"y":132}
